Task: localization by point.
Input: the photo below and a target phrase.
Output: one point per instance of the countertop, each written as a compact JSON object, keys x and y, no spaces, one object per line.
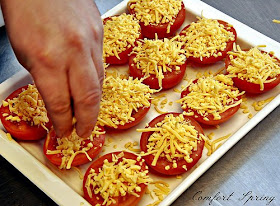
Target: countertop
{"x":248,"y":174}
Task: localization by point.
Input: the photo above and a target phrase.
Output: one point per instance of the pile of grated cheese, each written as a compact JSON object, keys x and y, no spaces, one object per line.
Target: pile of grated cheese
{"x":211,"y":144}
{"x":157,"y":57}
{"x":156,"y":11}
{"x":253,"y":66}
{"x":120,"y":33}
{"x":211,"y":95}
{"x":173,"y":138}
{"x":205,"y":38}
{"x":117,"y":178}
{"x":259,"y":105}
{"x":69,"y":147}
{"x":161,"y":189}
{"x":121,"y":98}
{"x":28,"y":106}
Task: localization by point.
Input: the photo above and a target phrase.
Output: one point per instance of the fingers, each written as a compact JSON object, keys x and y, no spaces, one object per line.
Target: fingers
{"x":86,"y":92}
{"x":53,"y":87}
{"x":98,"y":64}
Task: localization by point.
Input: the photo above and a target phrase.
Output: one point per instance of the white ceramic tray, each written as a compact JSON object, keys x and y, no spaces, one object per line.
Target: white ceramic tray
{"x":64,"y":187}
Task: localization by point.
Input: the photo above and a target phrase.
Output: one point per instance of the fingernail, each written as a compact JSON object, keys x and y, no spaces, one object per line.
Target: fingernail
{"x":84,"y":134}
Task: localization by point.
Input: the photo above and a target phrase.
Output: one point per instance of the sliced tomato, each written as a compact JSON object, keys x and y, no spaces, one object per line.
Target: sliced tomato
{"x":139,"y":115}
{"x":51,"y":144}
{"x":162,"y":161}
{"x":124,"y":55}
{"x":250,"y":87}
{"x":170,"y":79}
{"x":127,"y":200}
{"x":226,"y":115}
{"x":212,"y":59}
{"x":22,"y":130}
{"x":150,"y":30}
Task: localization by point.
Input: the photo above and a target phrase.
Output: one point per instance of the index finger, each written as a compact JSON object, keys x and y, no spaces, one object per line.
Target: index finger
{"x":86,"y":93}
{"x":56,"y":95}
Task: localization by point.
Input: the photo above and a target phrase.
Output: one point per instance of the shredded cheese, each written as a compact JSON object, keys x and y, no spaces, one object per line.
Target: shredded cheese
{"x":154,"y":12}
{"x":130,"y":146}
{"x":206,"y":37}
{"x":117,"y":178}
{"x":258,"y":105}
{"x":121,"y":98}
{"x":69,"y":147}
{"x":157,"y":57}
{"x":253,"y":66}
{"x":211,"y":144}
{"x":276,"y":21}
{"x":173,"y":138}
{"x":160,"y":190}
{"x":9,"y":136}
{"x":120,"y":33}
{"x":28,"y":106}
{"x":211,"y":95}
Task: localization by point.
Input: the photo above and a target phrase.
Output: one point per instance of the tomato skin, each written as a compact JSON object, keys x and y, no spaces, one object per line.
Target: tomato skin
{"x":250,"y":87}
{"x":226,"y":115}
{"x":212,"y":59}
{"x":127,"y":200}
{"x":162,"y":162}
{"x":150,"y":30}
{"x":170,"y":79}
{"x":22,"y":130}
{"x":51,"y":143}
{"x":124,"y":55}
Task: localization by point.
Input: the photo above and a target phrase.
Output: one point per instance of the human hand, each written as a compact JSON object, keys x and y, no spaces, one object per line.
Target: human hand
{"x":60,"y":43}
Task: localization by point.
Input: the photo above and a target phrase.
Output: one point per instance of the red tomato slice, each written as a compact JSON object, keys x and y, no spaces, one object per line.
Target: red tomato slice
{"x":224,"y":116}
{"x":162,"y":161}
{"x":150,"y":30}
{"x":212,"y":59}
{"x":22,"y":130}
{"x":139,"y":115}
{"x":51,"y":143}
{"x":170,"y":79}
{"x":127,"y":200}
{"x":250,"y":87}
{"x":123,"y":55}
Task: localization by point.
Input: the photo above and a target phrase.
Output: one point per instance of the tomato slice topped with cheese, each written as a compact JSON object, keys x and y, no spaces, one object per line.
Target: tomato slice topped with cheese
{"x":172,"y":143}
{"x":211,"y":100}
{"x":73,"y":150}
{"x":124,"y":102}
{"x":253,"y":71}
{"x":208,"y":40}
{"x":120,"y":35}
{"x":28,"y":119}
{"x":162,"y":63}
{"x":161,"y":17}
{"x":126,"y":174}
{"x":137,"y":116}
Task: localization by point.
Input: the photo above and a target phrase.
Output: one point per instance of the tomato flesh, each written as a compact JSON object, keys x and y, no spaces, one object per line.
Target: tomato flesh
{"x":124,"y":55}
{"x":56,"y":159}
{"x":170,"y":79}
{"x":211,"y":59}
{"x":22,"y":130}
{"x":226,"y":115}
{"x":150,"y":30}
{"x":251,"y":87}
{"x":126,"y":200}
{"x":162,"y":161}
